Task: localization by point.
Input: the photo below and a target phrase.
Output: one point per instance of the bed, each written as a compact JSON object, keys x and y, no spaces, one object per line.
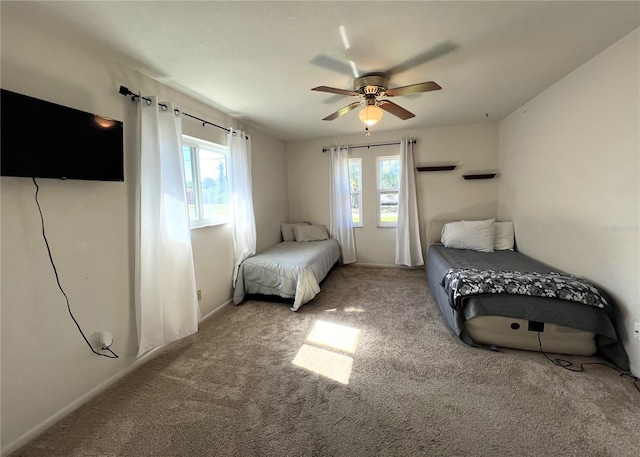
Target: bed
{"x":291,"y":269}
{"x":514,"y":320}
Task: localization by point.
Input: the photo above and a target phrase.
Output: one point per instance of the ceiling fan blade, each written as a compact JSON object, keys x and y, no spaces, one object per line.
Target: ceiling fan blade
{"x":333,"y":90}
{"x":329,"y":63}
{"x":396,"y":110}
{"x":436,"y":51}
{"x":342,"y":111}
{"x":413,"y":88}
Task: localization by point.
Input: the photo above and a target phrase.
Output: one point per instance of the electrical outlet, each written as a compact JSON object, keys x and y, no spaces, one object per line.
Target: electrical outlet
{"x":636,"y":330}
{"x":199,"y":294}
{"x":106,"y":340}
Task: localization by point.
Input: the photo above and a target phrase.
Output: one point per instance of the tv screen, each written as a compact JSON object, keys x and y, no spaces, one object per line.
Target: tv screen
{"x":44,"y":140}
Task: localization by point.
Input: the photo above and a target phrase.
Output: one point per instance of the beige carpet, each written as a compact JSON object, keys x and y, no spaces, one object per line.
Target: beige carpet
{"x":396,"y":382}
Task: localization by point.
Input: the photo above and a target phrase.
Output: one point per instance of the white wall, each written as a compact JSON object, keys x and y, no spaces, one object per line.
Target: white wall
{"x":270,"y":193}
{"x":441,"y":195}
{"x":569,"y":161}
{"x":47,"y":370}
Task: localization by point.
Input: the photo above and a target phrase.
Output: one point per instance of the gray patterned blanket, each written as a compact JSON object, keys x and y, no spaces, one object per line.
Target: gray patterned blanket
{"x":463,"y":282}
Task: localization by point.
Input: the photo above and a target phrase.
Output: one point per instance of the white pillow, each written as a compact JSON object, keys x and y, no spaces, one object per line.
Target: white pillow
{"x":287,"y":231}
{"x":311,"y":232}
{"x":476,"y":235}
{"x":504,"y":236}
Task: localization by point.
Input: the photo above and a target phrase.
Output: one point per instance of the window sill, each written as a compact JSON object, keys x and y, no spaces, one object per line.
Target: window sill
{"x":200,"y":225}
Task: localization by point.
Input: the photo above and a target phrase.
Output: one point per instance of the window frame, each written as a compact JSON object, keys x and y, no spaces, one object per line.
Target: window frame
{"x":197,"y":144}
{"x":358,"y":192}
{"x":380,"y":191}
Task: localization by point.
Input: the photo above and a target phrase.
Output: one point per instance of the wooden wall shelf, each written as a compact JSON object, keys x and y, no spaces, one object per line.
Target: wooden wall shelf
{"x":436,"y":168}
{"x":480,"y":176}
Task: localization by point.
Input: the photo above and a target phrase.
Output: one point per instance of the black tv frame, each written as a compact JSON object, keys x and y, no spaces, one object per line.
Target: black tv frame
{"x":41,"y":139}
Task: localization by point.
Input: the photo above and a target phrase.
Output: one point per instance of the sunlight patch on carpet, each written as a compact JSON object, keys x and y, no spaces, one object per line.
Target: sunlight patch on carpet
{"x":350,"y":309}
{"x":334,"y":336}
{"x":326,"y":363}
{"x":323,"y":350}
{"x":354,"y":310}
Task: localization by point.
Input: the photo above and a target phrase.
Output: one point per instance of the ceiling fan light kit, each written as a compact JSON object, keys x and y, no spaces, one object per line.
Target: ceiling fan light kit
{"x":371,"y":87}
{"x":370,"y":114}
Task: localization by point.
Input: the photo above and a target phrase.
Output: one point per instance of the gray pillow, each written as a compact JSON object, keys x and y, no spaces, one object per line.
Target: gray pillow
{"x":311,"y":232}
{"x":287,"y":230}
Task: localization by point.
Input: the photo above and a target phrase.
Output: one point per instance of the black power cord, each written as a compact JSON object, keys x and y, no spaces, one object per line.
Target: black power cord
{"x":567,"y":365}
{"x":113,"y":355}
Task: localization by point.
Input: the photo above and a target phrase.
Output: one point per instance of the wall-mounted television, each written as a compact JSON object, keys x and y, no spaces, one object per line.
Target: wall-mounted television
{"x":41,"y":139}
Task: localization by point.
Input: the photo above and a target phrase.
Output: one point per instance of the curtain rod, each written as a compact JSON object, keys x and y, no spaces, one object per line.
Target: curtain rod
{"x":358,"y":146}
{"x":126,"y":92}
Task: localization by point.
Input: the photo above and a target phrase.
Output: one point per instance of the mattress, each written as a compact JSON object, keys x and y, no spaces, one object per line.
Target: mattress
{"x":564,"y":318}
{"x":515,"y":333}
{"x":289,"y":269}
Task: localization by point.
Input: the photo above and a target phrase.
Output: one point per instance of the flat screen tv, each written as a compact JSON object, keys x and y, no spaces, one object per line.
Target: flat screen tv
{"x":44,"y":140}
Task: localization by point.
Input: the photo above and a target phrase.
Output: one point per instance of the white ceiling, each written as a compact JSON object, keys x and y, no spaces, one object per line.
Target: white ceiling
{"x":257,"y":61}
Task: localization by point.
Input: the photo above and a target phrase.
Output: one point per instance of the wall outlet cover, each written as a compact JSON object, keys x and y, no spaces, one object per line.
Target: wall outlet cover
{"x":106,"y":339}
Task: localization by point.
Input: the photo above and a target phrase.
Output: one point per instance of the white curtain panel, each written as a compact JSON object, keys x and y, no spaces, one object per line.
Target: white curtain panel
{"x":241,"y":202}
{"x":166,"y":298}
{"x":341,"y":225}
{"x":408,"y":247}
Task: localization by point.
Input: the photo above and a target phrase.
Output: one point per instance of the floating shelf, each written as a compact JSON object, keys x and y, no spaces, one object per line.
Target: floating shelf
{"x":480,"y":176}
{"x":436,"y":168}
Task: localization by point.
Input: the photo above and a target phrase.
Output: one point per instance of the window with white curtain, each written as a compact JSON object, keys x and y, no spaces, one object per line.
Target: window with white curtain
{"x":388,"y":181}
{"x":355,"y":184}
{"x":205,"y":168}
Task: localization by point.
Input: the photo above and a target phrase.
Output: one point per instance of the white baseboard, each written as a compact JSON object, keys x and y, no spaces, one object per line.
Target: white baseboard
{"x":43,"y":426}
{"x":215,"y":310}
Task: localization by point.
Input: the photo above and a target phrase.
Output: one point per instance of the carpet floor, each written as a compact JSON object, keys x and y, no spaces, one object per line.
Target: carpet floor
{"x":368,"y":368}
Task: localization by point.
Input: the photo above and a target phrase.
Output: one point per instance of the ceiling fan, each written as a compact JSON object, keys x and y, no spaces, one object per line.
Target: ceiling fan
{"x":373,"y":91}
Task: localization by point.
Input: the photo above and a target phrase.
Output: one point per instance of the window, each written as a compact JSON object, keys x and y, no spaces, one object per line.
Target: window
{"x":205,"y":170}
{"x":355,"y":184}
{"x":388,"y":174}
